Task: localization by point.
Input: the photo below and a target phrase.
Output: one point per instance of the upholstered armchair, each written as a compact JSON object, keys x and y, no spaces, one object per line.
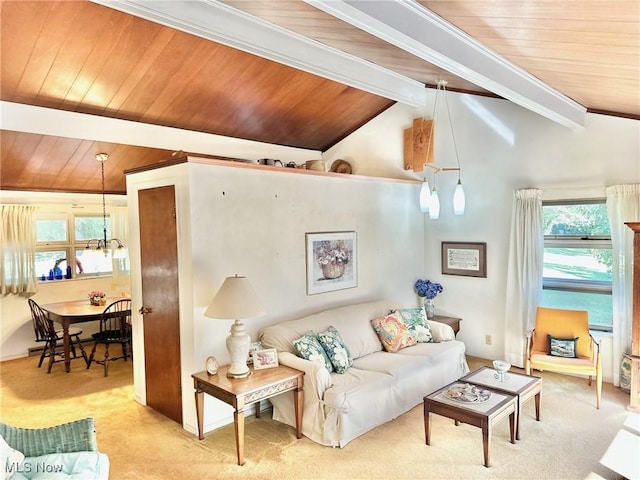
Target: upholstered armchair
{"x":561,"y":342}
{"x":62,"y":451}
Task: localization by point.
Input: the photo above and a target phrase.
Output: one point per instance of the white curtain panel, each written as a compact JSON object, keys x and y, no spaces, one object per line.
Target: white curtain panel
{"x":623,"y":205}
{"x":120,"y":230}
{"x":524,"y":272}
{"x":17,"y":249}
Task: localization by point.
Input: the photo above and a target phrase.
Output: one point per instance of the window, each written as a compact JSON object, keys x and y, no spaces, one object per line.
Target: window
{"x":61,"y":251}
{"x":578,"y":259}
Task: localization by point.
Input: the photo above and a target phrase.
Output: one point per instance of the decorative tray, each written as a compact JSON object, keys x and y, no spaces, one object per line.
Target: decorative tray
{"x":465,"y":393}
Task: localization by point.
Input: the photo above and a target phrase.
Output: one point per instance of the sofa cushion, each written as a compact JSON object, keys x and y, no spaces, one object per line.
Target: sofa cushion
{"x":563,"y":347}
{"x":393,"y":332}
{"x":309,"y":348}
{"x":10,"y":458}
{"x":416,"y":321}
{"x":336,"y":349}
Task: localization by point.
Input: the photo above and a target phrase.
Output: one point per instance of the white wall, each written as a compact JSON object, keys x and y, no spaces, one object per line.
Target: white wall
{"x":253,"y":222}
{"x":502,"y":147}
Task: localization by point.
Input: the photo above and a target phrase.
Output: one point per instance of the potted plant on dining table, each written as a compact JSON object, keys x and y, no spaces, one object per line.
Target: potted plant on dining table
{"x":98,"y":298}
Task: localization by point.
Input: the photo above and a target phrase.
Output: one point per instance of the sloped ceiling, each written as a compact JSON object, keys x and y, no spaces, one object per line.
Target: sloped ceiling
{"x":83,"y":57}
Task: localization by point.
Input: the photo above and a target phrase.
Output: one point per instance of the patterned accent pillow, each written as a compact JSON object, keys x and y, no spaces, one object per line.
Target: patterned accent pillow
{"x":336,"y":349}
{"x":393,"y":332}
{"x":416,"y":321}
{"x":563,"y":347}
{"x":309,"y":348}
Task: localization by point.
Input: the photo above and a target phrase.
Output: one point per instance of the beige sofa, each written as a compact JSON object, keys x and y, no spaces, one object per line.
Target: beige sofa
{"x":379,"y":386}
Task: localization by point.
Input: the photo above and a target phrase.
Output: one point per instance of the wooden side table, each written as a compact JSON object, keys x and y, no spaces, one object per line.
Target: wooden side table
{"x":453,"y":322}
{"x":240,"y":392}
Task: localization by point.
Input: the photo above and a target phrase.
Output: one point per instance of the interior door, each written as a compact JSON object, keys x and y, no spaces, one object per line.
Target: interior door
{"x":161,"y":314}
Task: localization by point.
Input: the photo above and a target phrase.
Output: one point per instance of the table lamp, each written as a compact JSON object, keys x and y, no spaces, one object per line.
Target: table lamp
{"x":236,"y":299}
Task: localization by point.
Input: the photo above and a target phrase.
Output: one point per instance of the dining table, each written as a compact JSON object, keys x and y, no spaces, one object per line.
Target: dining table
{"x":75,"y":311}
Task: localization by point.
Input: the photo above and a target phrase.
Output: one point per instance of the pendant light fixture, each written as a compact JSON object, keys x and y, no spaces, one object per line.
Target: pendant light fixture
{"x":102,"y":243}
{"x":459,"y":200}
{"x":425,"y":196}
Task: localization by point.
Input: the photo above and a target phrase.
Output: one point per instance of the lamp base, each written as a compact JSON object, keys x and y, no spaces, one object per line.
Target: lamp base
{"x":238,"y":343}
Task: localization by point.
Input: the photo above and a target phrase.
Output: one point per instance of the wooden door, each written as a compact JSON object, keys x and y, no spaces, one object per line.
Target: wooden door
{"x":159,"y":265}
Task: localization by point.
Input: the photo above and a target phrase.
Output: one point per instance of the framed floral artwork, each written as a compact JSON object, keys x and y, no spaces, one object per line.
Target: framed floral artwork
{"x":331,"y":261}
{"x":265,"y":358}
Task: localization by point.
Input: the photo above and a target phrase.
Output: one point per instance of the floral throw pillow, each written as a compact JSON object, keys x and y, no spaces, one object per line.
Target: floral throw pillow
{"x":309,"y":348}
{"x":416,"y":321}
{"x":393,"y":332}
{"x":336,"y":349}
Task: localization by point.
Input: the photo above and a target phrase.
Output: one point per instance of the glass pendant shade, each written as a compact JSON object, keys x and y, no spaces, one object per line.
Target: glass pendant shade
{"x":425,"y":196}
{"x":434,"y":205}
{"x":458,"y":199}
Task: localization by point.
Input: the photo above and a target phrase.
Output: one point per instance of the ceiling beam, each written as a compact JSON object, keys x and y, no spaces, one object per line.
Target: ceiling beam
{"x":61,"y":123}
{"x":417,"y":30}
{"x":223,"y":24}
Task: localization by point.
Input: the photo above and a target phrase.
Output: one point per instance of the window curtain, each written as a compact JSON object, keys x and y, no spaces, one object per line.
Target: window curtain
{"x":18,"y":249}
{"x":120,"y":278}
{"x":524,"y":272}
{"x":623,"y":205}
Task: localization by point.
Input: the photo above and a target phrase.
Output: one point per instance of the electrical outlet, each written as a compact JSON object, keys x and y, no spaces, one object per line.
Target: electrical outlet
{"x":487,"y":339}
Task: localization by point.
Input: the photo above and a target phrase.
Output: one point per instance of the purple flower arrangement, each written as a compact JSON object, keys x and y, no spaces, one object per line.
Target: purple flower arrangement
{"x":427,"y":288}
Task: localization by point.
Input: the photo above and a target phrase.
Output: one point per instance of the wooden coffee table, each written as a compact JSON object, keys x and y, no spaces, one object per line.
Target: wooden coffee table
{"x":523,"y":386}
{"x":484,"y":415}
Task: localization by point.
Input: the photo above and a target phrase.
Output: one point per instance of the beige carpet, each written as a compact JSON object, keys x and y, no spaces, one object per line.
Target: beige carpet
{"x":566,"y":444}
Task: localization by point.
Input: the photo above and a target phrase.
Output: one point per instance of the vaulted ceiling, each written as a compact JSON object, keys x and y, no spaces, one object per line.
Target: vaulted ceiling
{"x":288,"y":72}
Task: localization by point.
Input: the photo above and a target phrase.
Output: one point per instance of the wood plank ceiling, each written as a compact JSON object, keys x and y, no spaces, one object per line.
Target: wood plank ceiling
{"x":82,"y":57}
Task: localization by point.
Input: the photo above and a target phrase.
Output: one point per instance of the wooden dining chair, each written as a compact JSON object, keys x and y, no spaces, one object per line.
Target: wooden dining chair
{"x":115,"y":327}
{"x":46,"y":333}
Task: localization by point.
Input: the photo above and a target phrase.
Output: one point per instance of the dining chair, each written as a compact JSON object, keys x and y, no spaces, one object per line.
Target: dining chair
{"x":46,"y":333}
{"x":115,"y":327}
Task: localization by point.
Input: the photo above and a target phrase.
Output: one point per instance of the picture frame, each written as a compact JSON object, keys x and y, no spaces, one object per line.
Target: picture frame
{"x":267,"y":358}
{"x":464,"y":258}
{"x":332,"y":261}
{"x":254,"y":347}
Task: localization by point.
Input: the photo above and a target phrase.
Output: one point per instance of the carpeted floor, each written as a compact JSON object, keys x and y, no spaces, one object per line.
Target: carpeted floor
{"x":566,"y":444}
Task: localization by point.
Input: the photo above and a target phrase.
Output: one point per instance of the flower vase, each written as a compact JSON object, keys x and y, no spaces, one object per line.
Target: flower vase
{"x":429,"y":307}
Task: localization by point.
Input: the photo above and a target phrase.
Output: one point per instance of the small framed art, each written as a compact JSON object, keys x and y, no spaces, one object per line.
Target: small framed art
{"x":332,"y":261}
{"x":466,"y":259}
{"x":267,"y":358}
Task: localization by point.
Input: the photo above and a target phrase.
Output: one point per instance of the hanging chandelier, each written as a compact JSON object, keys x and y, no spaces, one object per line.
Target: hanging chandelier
{"x":429,"y":199}
{"x":103,"y":244}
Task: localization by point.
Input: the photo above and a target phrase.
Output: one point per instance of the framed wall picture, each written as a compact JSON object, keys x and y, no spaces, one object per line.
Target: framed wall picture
{"x":267,"y":358}
{"x":332,"y":261}
{"x":467,"y":259}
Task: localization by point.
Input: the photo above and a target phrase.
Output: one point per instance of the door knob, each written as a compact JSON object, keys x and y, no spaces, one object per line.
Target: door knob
{"x":144,"y":310}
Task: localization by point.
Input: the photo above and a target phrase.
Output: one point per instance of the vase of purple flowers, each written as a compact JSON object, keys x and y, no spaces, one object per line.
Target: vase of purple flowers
{"x":429,"y":291}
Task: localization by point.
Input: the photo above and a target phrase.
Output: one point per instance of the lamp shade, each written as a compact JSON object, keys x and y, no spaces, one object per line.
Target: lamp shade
{"x":434,"y":205}
{"x":425,"y":196}
{"x":236,"y":299}
{"x":458,"y":199}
